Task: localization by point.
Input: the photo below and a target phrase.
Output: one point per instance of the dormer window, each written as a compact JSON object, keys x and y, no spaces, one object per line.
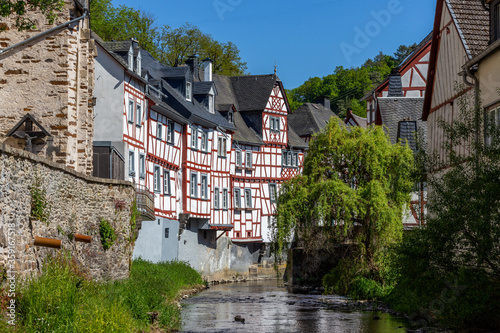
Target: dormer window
{"x":230,"y":116}
{"x":138,"y":63}
{"x":189,"y":91}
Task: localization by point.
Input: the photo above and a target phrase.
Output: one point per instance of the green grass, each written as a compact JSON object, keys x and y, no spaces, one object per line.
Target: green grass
{"x":63,"y":299}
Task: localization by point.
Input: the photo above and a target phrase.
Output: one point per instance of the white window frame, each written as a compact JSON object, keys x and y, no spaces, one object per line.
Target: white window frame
{"x":159,"y":131}
{"x":157,"y":179}
{"x":492,"y":118}
{"x":275,"y":124}
{"x":142,"y":165}
{"x":273,"y":192}
{"x":138,"y":114}
{"x":131,"y":163}
{"x":295,"y":159}
{"x":222,"y":147}
{"x":248,"y":159}
{"x":204,"y":186}
{"x":166,"y":182}
{"x":204,"y":141}
{"x":170,"y":131}
{"x":225,"y":198}
{"x":194,"y":185}
{"x":189,"y":90}
{"x":238,"y":158}
{"x":248,"y":198}
{"x":216,"y":198}
{"x":237,"y":198}
{"x":194,"y":138}
{"x":131,"y":111}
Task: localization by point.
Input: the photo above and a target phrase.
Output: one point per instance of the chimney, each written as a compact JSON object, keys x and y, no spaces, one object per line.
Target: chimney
{"x":325,"y":101}
{"x":207,"y":64}
{"x":395,"y":85}
{"x":192,"y":62}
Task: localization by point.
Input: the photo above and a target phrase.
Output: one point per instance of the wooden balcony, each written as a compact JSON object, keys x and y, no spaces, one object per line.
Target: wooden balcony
{"x":145,"y":203}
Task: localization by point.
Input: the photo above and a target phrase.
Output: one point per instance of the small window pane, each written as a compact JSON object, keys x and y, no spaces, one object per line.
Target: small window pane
{"x":138,"y":115}
{"x":131,"y":111}
{"x":159,"y":131}
{"x":166,"y":182}
{"x":248,"y":199}
{"x":224,"y":198}
{"x":156,"y":179}
{"x":194,"y":185}
{"x":216,"y":198}
{"x":237,"y":198}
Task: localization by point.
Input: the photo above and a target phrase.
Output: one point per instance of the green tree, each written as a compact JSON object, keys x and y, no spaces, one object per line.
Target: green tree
{"x":353,"y":189}
{"x":124,"y":23}
{"x":176,"y":45}
{"x":458,"y":252}
{"x":49,"y":8}
{"x":404,"y":51}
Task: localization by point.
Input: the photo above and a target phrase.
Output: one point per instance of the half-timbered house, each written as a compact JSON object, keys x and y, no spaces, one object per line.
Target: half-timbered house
{"x":265,"y":151}
{"x":412,"y":76}
{"x":461,"y":35}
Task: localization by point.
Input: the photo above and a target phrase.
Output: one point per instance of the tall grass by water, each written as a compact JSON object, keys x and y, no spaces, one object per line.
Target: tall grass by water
{"x":64,"y":299}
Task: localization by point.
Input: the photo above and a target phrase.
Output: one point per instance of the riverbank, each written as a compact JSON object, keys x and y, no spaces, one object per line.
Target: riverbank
{"x":64,"y":299}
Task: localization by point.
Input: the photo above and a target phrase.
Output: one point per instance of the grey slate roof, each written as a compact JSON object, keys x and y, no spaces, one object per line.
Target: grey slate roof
{"x":225,"y":93}
{"x":473,"y":21}
{"x":310,"y":118}
{"x":393,"y":110}
{"x":360,"y":120}
{"x":202,"y":88}
{"x":245,"y":134}
{"x":193,"y":111}
{"x":295,"y":141}
{"x":252,"y":92}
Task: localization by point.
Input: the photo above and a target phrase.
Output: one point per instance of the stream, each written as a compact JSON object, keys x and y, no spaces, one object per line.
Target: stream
{"x":265,"y":307}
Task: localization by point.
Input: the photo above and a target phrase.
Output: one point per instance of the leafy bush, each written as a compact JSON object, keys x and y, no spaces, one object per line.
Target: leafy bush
{"x":107,"y":233}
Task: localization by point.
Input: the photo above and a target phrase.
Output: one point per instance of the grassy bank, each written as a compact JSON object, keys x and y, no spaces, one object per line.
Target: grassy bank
{"x":64,"y":299}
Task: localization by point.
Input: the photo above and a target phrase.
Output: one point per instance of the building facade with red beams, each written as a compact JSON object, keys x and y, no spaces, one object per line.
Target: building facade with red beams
{"x":212,"y":150}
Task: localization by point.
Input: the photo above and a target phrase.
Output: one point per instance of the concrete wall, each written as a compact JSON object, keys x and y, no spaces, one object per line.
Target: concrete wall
{"x":152,"y":245}
{"x":52,"y":79}
{"x":77,"y":204}
{"x":109,"y":93}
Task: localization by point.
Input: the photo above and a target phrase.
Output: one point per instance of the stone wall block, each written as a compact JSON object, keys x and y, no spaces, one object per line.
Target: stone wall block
{"x":77,"y":205}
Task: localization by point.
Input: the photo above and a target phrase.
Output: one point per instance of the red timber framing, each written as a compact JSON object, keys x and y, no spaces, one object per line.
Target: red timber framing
{"x":134,"y":129}
{"x":163,"y":163}
{"x":255,"y":183}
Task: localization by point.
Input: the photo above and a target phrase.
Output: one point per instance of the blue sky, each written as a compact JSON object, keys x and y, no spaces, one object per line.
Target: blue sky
{"x":304,"y":38}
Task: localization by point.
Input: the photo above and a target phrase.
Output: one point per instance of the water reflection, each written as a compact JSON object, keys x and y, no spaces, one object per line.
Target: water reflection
{"x":269,"y":308}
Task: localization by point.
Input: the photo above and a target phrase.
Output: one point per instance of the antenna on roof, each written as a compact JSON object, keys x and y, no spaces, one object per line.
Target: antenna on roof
{"x":275,"y":67}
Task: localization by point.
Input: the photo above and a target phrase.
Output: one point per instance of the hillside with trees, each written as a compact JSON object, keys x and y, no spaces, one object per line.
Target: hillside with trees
{"x":346,"y":86}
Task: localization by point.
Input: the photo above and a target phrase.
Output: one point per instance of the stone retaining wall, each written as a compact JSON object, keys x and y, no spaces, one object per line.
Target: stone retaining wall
{"x":77,"y":204}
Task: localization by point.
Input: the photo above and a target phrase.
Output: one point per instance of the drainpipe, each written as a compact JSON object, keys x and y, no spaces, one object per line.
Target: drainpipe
{"x":45,"y":33}
{"x":475,"y":83}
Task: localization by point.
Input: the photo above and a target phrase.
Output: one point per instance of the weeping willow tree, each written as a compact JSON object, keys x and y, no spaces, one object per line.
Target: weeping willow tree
{"x":353,"y":190}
